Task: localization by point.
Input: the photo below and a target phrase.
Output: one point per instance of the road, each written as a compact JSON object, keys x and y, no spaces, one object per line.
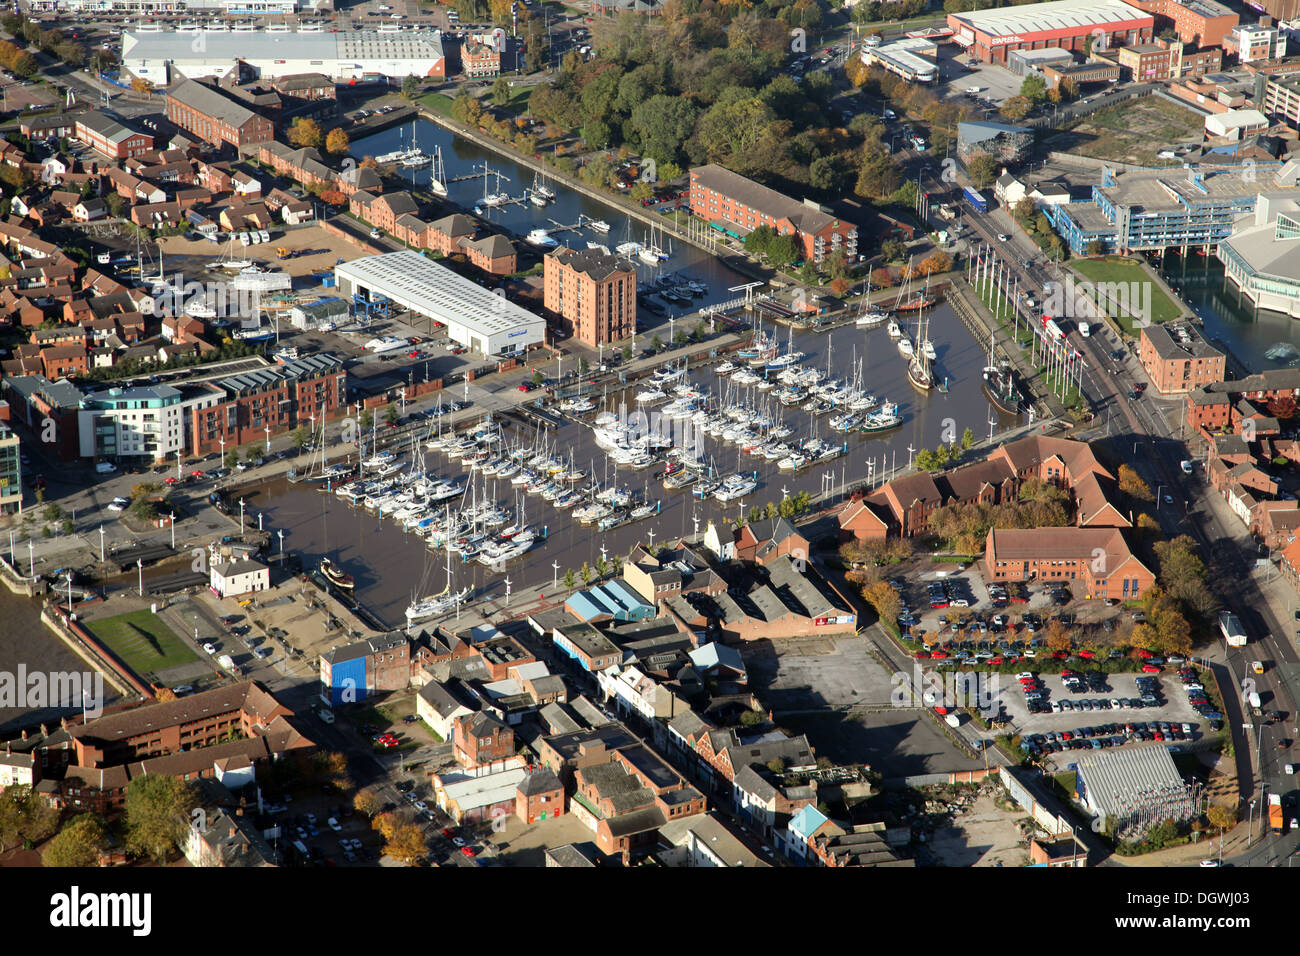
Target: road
{"x":1154,"y":427}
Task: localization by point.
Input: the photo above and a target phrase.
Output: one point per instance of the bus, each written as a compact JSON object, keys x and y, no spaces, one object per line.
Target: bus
{"x":975,"y":198}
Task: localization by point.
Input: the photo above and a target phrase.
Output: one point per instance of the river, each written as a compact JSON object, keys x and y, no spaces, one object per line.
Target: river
{"x":25,"y":641}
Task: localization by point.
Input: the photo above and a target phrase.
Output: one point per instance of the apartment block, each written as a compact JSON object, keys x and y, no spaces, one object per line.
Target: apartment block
{"x":1203,"y":22}
{"x":594,"y":292}
{"x":11,"y":473}
{"x":1177,"y":359}
{"x":732,"y":203}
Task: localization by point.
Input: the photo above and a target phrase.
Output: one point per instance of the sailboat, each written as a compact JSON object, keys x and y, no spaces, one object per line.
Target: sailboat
{"x":230,"y":262}
{"x":496,"y":198}
{"x":870,"y":317}
{"x":437,"y":174}
{"x":918,"y":369}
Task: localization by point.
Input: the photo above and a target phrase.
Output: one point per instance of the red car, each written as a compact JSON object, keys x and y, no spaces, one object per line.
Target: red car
{"x":173,"y":480}
{"x":1150,"y":669}
{"x":198,"y":474}
{"x":448,"y":832}
{"x":938,"y":655}
{"x":469,"y":851}
{"x":1061,"y":655}
{"x":1143,"y":652}
{"x":1087,"y":655}
{"x":995,"y":661}
{"x":413,"y":354}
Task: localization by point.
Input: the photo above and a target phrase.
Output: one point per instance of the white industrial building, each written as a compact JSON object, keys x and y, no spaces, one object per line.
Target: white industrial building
{"x":360,"y":55}
{"x":474,"y":316}
{"x":1135,"y":786}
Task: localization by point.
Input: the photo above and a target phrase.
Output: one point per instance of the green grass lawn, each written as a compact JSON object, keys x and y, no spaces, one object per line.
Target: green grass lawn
{"x":1163,"y":308}
{"x":141,"y":641}
{"x":438,"y":102}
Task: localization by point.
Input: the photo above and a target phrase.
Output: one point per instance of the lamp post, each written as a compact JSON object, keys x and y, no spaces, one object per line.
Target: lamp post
{"x":31,"y":560}
{"x":555,"y":574}
{"x":241,"y":515}
{"x":222,"y":439}
{"x":101,"y":530}
{"x":281,"y":534}
{"x":267,"y":429}
{"x":139,"y":567}
{"x":101,"y":545}
{"x":507,"y":592}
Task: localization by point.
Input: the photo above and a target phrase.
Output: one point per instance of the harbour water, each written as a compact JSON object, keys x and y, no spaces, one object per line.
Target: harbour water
{"x":25,"y":641}
{"x":1258,"y":339}
{"x":463,"y":158}
{"x":392,"y":567}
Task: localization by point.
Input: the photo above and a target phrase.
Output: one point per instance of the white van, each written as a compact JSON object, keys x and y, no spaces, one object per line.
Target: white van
{"x":105,"y":467}
{"x":1186,"y":466}
{"x":325,"y":714}
{"x":1084,"y":330}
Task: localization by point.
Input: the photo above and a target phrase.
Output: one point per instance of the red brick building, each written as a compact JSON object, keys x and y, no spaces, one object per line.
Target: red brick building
{"x":736,"y":204}
{"x":282,"y":397}
{"x":539,"y":797}
{"x":213,"y":116}
{"x":1203,"y":22}
{"x":595,"y":293}
{"x":1093,"y":562}
{"x":481,"y":740}
{"x":107,"y":136}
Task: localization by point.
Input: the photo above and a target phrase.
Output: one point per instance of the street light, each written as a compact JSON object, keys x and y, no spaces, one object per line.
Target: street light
{"x":101,"y":531}
{"x":31,"y":560}
{"x":267,"y":429}
{"x":101,"y":545}
{"x":139,"y":567}
{"x":241,"y":515}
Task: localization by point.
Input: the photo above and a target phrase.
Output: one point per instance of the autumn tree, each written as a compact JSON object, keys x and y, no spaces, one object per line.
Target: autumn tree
{"x":332,"y":768}
{"x":386,"y":824}
{"x":406,"y":844}
{"x":306,"y":132}
{"x":1057,"y":635}
{"x":981,"y":168}
{"x":79,"y":843}
{"x":157,"y":813}
{"x":882,"y":596}
{"x":1222,"y":816}
{"x":337,"y":142}
{"x":1131,"y":483}
{"x":1016,"y":108}
{"x":25,"y":816}
{"x":935,"y":263}
{"x":367,"y":801}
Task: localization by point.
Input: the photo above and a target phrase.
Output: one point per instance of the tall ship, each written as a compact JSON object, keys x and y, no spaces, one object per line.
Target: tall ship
{"x":1000,"y":385}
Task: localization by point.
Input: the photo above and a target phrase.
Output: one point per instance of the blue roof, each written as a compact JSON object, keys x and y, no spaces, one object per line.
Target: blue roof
{"x":807,"y":820}
{"x":714,"y":654}
{"x":614,"y":599}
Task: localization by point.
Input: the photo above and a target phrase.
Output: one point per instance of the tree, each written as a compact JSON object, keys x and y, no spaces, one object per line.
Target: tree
{"x":981,"y":168}
{"x":1222,"y":816}
{"x":570,"y":579}
{"x":641,"y":191}
{"x":231,"y":459}
{"x":1034,"y":88}
{"x":25,"y":817}
{"x":1131,"y":483}
{"x":406,"y":845}
{"x":157,"y":813}
{"x":500,"y":91}
{"x":967,"y":440}
{"x":300,"y":436}
{"x":386,"y":824}
{"x":391,"y":414}
{"x":776,"y":765}
{"x":79,"y":843}
{"x":305,"y":131}
{"x":367,"y":801}
{"x":1016,"y":108}
{"x":656,"y":343}
{"x":893,"y":251}
{"x":1057,"y":635}
{"x":882,"y":596}
{"x":366,"y":419}
{"x":585,"y":573}
{"x":337,"y":142}
{"x":411,"y":86}
{"x":752,"y":718}
{"x":252,"y":453}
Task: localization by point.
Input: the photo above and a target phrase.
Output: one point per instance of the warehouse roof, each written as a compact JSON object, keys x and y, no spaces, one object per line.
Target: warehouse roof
{"x":1056,"y":15}
{"x":1116,"y":781}
{"x":219,"y":46}
{"x":209,"y":102}
{"x":434,"y":290}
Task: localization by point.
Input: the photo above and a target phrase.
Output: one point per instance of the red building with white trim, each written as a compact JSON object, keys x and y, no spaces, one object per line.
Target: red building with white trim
{"x":989,"y":35}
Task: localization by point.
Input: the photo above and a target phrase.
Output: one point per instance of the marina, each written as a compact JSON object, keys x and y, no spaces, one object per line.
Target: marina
{"x":793,"y":412}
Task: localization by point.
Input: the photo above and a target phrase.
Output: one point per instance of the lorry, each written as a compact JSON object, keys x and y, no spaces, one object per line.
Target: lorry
{"x":284,"y":253}
{"x":1276,"y":823}
{"x":1233,"y":632}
